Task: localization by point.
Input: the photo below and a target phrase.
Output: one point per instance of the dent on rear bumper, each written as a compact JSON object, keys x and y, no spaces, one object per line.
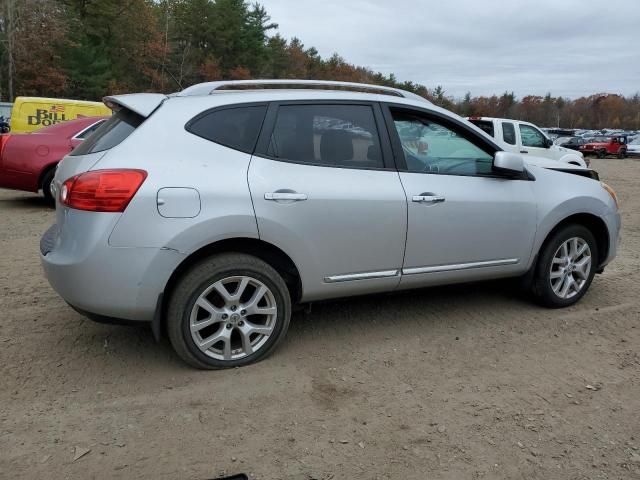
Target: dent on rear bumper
{"x":115,"y":282}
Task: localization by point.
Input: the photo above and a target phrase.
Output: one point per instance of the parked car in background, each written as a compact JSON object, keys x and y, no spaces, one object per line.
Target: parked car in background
{"x":210,"y":212}
{"x":633,"y":147}
{"x":28,"y":160}
{"x":527,"y":139}
{"x":606,"y":145}
{"x":572,"y":143}
{"x":29,"y":114}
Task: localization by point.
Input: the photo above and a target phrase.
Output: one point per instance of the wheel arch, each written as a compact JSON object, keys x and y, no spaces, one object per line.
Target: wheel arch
{"x":47,"y":168}
{"x":265,"y":251}
{"x":596,"y":226}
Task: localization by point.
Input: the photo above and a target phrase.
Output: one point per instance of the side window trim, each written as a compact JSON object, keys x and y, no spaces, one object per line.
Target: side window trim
{"x":229,"y":107}
{"x":77,"y":136}
{"x":460,"y":128}
{"x":268,"y":126}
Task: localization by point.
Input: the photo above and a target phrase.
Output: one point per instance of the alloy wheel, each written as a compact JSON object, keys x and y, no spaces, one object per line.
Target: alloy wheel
{"x":570,"y":267}
{"x":233,"y":318}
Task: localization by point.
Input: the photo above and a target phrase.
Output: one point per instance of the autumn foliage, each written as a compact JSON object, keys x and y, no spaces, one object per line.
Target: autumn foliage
{"x":89,"y":48}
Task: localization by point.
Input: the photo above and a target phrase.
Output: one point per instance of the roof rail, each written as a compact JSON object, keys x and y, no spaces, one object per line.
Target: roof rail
{"x":226,"y":85}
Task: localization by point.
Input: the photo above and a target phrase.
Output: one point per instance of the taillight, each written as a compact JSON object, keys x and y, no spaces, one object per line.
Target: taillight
{"x":102,"y":190}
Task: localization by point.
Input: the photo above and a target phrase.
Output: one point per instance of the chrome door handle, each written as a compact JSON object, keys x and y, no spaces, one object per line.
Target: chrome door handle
{"x":295,"y":197}
{"x":428,"y":199}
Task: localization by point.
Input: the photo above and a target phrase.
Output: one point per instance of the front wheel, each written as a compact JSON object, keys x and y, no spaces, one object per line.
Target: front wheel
{"x":229,"y":310}
{"x":566,"y":266}
{"x":601,"y":153}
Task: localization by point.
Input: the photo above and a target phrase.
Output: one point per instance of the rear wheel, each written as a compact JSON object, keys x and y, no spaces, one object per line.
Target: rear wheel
{"x":47,"y":183}
{"x":622,"y":153}
{"x":228,"y":311}
{"x":566,"y":266}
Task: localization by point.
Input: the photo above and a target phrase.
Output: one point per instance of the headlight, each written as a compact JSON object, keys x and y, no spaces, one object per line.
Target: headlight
{"x":611,"y":192}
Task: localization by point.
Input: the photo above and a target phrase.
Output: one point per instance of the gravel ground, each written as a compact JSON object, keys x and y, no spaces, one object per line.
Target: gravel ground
{"x":452,"y":383}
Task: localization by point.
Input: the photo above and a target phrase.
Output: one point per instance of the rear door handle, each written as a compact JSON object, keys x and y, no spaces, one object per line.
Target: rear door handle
{"x":524,"y":151}
{"x":428,"y":199}
{"x":287,"y":196}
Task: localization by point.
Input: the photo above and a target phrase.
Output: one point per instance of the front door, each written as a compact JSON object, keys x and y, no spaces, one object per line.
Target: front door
{"x":323,"y":193}
{"x":534,"y":143}
{"x":464,"y":221}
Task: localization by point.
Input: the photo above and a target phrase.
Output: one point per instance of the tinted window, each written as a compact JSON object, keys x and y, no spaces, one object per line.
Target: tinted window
{"x":89,"y":130}
{"x":485,"y":125}
{"x":333,"y":135}
{"x":236,"y":128}
{"x":509,"y":133}
{"x":532,"y":137}
{"x":430,"y":147}
{"x":110,"y":133}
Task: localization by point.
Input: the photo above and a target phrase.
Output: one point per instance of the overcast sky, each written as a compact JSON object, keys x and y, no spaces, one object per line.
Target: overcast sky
{"x":568,"y":47}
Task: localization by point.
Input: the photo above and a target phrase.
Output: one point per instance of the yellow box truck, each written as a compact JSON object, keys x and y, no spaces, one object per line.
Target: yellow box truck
{"x":32,"y":113}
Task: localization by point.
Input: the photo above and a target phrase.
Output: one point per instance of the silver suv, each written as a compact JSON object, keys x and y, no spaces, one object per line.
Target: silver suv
{"x":209,"y":212}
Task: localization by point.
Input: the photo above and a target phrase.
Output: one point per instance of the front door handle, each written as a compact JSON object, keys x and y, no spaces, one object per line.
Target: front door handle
{"x":428,"y":199}
{"x":524,"y":151}
{"x":285,"y":196}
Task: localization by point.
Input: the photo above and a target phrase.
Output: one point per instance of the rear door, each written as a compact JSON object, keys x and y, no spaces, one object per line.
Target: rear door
{"x":325,"y":191}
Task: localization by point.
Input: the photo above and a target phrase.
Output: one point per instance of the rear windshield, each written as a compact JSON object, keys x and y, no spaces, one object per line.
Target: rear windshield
{"x":110,"y":133}
{"x":485,"y":125}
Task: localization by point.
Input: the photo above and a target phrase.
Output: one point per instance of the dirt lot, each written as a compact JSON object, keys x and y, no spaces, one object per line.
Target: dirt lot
{"x":464,"y":382}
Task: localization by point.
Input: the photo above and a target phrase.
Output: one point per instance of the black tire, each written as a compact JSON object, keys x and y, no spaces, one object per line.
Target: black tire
{"x":46,"y":187}
{"x":541,"y":287}
{"x":200,"y":277}
{"x":601,"y":153}
{"x":622,"y":153}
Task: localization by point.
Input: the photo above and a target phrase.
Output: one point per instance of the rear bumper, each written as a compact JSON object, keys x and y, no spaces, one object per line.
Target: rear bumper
{"x":103,"y":282}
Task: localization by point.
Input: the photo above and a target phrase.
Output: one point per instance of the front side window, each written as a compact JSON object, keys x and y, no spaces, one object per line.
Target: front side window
{"x":508,"y":133}
{"x":237,"y":127}
{"x":532,"y":137}
{"x":431,"y":147}
{"x":327,"y":135}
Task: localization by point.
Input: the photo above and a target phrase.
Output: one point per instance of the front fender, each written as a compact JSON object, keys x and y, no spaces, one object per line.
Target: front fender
{"x":560,"y":195}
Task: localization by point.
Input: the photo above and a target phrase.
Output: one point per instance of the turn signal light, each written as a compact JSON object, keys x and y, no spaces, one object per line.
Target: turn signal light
{"x":102,"y":190}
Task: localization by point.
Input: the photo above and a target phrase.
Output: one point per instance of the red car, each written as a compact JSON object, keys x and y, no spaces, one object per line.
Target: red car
{"x":603,"y":146}
{"x":28,"y":160}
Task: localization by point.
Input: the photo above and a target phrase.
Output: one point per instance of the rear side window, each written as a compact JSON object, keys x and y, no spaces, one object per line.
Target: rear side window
{"x":485,"y":125}
{"x":509,"y":133}
{"x":328,"y":135}
{"x":237,"y":128}
{"x":110,"y":133}
{"x":89,"y":131}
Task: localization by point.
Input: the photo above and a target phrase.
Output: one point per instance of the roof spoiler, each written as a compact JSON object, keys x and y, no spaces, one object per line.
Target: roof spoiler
{"x":143,"y":104}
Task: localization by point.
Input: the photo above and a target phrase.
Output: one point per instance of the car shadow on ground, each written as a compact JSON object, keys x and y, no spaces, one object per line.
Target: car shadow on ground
{"x":25,"y":201}
{"x":135,"y":345}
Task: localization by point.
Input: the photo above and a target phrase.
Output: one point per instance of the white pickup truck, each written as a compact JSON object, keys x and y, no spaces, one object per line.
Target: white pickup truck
{"x":523,"y":137}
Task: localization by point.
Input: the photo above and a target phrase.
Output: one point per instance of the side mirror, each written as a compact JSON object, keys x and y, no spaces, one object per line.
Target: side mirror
{"x":548,"y":142}
{"x":507,"y":162}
